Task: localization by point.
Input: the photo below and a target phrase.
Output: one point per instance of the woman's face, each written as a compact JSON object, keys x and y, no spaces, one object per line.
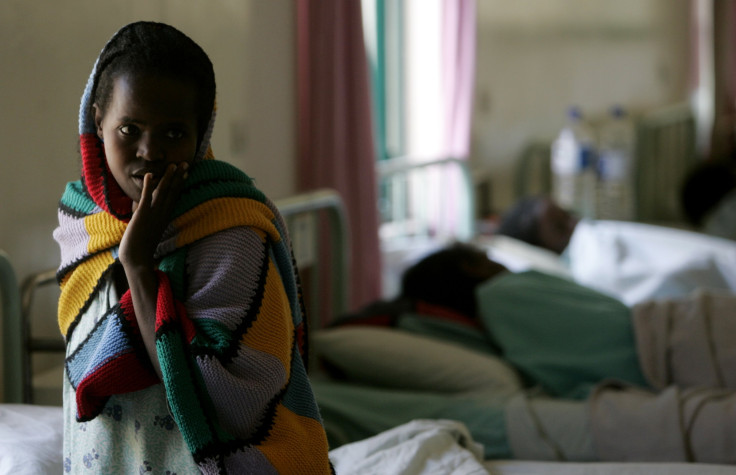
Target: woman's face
{"x":555,"y":226}
{"x":150,"y":122}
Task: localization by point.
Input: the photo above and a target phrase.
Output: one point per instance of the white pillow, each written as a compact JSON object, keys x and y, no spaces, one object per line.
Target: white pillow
{"x":401,"y":360}
{"x":519,"y":256}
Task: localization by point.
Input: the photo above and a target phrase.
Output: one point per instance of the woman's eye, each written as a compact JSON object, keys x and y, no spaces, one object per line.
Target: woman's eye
{"x":128,"y":129}
{"x":175,"y":134}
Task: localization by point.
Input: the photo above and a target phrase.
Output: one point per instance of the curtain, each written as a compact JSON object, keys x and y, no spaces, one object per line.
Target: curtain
{"x":440,"y":80}
{"x":723,"y":142}
{"x":335,"y":132}
{"x":459,"y":41}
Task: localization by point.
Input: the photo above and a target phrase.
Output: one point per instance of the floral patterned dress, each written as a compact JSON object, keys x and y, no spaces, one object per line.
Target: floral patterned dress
{"x":134,"y":434}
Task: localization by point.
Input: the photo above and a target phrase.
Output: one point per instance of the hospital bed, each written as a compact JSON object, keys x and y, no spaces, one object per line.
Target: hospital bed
{"x":451,"y":394}
{"x":654,"y":256}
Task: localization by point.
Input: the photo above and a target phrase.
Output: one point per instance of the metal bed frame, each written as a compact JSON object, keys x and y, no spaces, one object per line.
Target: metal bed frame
{"x":12,"y":328}
{"x":404,"y":189}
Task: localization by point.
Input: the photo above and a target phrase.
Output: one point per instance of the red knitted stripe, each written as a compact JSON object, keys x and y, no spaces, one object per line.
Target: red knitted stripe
{"x":126,"y":305}
{"x":300,"y":338}
{"x":445,"y":313}
{"x":121,"y":375}
{"x":170,"y":310}
{"x":98,"y":179}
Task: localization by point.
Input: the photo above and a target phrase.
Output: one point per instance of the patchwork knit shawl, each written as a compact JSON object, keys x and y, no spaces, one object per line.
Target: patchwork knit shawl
{"x":201,"y":358}
{"x":112,"y":360}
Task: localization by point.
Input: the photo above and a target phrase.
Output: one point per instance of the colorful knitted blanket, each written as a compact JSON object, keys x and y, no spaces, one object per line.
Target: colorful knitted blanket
{"x":112,"y":359}
{"x":205,"y":361}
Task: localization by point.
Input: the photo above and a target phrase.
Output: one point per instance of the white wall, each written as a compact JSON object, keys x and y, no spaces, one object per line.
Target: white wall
{"x":538,"y":57}
{"x":47,"y":49}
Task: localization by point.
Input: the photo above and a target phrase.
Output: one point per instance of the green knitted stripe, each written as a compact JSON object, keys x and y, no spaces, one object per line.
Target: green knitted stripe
{"x":190,"y":200}
{"x":174,"y":266}
{"x":181,"y":392}
{"x":215,"y":170}
{"x":210,"y":179}
{"x":212,"y":336}
{"x":75,"y":198}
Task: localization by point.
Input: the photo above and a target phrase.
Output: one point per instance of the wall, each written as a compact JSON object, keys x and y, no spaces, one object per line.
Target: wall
{"x":47,"y":50}
{"x":536,"y":58}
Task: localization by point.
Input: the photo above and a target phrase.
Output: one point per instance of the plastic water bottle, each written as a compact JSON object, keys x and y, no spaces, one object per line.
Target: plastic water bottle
{"x":573,"y":166}
{"x":614,"y":192}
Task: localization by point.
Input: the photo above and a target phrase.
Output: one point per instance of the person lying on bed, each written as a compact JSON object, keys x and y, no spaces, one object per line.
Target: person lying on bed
{"x":180,"y":303}
{"x":601,"y":381}
{"x":708,"y":197}
{"x":631,"y":261}
{"x":539,"y":221}
{"x":562,"y":337}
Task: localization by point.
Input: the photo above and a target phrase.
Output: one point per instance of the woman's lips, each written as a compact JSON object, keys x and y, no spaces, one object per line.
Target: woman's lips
{"x":139,"y":176}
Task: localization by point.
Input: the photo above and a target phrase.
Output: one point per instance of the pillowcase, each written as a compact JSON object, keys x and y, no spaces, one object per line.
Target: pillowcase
{"x":519,"y":256}
{"x":400,"y":360}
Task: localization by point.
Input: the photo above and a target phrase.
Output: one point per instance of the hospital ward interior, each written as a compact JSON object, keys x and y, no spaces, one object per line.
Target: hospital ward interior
{"x":514,"y":221}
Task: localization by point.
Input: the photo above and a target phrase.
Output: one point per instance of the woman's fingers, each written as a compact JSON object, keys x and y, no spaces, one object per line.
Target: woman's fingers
{"x":147,"y":192}
{"x":152,"y":215}
{"x":166,"y":191}
{"x":171,"y":185}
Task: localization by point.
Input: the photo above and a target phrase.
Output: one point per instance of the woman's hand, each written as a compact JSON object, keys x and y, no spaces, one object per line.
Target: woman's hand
{"x":151,"y":217}
{"x":137,"y":248}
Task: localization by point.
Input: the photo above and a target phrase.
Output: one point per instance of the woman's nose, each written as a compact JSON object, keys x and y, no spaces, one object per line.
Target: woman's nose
{"x":150,"y":150}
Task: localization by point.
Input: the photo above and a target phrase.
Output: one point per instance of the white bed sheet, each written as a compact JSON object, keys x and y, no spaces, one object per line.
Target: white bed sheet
{"x":30,"y":439}
{"x":420,"y":447}
{"x":444,"y":447}
{"x":636,"y":262}
{"x":520,"y":467}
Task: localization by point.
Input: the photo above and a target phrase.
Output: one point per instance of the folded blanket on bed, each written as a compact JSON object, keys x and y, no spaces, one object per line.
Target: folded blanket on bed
{"x":675,"y":425}
{"x":687,"y":349}
{"x":688,"y":342}
{"x":419,"y":447}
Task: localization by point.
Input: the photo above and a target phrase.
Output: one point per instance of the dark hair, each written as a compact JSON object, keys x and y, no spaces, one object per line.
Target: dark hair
{"x":442,"y":279}
{"x":704,"y":187}
{"x":521,"y":221}
{"x":157,"y":49}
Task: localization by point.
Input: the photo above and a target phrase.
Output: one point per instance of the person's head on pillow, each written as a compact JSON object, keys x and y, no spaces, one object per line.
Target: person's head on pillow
{"x":539,"y":221}
{"x":704,"y":188}
{"x":448,"y":278}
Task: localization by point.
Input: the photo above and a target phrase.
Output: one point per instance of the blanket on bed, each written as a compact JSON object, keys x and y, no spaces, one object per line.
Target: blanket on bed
{"x":688,"y":342}
{"x":688,"y":354}
{"x":419,"y":447}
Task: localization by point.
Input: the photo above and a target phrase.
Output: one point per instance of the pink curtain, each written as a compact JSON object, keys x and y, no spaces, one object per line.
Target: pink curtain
{"x":335,"y":130}
{"x":458,"y":57}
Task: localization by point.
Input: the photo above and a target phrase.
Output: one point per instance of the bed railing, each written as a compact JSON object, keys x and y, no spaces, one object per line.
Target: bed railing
{"x":420,"y":198}
{"x":12,"y":328}
{"x":318,"y":226}
{"x":302,"y":214}
{"x":665,"y":153}
{"x":33,"y":344}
